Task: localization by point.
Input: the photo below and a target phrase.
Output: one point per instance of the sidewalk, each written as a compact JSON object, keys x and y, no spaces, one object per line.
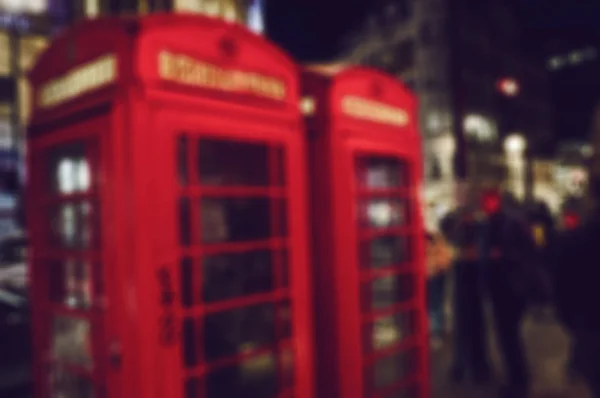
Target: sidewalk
{"x":547,"y":350}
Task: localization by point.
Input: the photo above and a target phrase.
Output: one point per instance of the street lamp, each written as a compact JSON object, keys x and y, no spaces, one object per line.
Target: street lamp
{"x":514,"y":147}
{"x":515,"y":144}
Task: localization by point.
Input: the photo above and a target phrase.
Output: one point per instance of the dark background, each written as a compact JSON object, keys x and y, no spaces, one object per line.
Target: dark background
{"x":314,"y":30}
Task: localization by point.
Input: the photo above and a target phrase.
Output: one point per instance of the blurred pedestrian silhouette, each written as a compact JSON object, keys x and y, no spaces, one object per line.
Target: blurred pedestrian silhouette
{"x":462,"y":228}
{"x":439,"y":261}
{"x":509,"y":263}
{"x":576,"y":261}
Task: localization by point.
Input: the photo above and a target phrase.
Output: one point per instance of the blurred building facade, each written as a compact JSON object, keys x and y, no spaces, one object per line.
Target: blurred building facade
{"x":25,"y":29}
{"x":572,"y":57}
{"x":26,"y":26}
{"x":246,"y":12}
{"x":472,"y":77}
{"x":546,"y":183}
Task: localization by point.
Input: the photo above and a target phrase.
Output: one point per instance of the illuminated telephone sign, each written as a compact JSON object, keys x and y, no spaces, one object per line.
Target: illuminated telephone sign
{"x":365,"y":109}
{"x":183,"y":69}
{"x":80,"y":80}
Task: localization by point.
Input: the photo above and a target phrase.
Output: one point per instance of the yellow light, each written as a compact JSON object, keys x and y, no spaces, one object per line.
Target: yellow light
{"x":515,"y":143}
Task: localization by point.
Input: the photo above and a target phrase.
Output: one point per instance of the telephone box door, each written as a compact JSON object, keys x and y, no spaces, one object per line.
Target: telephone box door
{"x":390,"y":278}
{"x":239,"y":241}
{"x":69,"y":266}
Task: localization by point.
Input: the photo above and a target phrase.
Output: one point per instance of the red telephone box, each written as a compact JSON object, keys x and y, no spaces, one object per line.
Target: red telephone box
{"x":368,"y":235}
{"x":168,"y":230}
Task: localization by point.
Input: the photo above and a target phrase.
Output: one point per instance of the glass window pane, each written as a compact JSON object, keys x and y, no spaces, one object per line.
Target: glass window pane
{"x":287,"y":362}
{"x":285,"y":268}
{"x":88,"y":225}
{"x":193,"y":388}
{"x":395,"y":368}
{"x":285,"y":319}
{"x":185,"y":225}
{"x":279,"y":167}
{"x":407,"y":392}
{"x":233,"y":332}
{"x":380,"y":173}
{"x":70,"y":170}
{"x":391,"y":290}
{"x":385,"y":251}
{"x":71,"y":341}
{"x":385,"y":333}
{"x":67,"y":385}
{"x":64,"y":226}
{"x":182,"y":154}
{"x":391,"y":330}
{"x":255,"y":377}
{"x":383,"y":213}
{"x":187,"y":282}
{"x":223,"y":162}
{"x":190,"y":340}
{"x":236,"y":219}
{"x":228,"y":276}
{"x":73,"y":226}
{"x":71,"y":284}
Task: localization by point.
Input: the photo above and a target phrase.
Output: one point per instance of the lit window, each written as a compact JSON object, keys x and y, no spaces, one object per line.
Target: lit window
{"x":31,"y":48}
{"x":188,"y":5}
{"x":13,"y":6}
{"x":556,"y":63}
{"x":255,"y":16}
{"x":24,"y":94}
{"x":230,"y":12}
{"x":66,"y":182}
{"x":212,"y":8}
{"x":576,"y":57}
{"x":5,"y":54}
{"x":92,"y":8}
{"x":37,"y":6}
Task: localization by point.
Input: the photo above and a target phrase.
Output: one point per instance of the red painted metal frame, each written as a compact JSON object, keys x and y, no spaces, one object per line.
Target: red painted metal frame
{"x":136,"y":122}
{"x":336,"y":141}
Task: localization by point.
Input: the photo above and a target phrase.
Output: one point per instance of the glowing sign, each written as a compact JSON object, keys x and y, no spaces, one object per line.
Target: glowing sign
{"x":186,"y":70}
{"x":361,"y":108}
{"x":82,"y":79}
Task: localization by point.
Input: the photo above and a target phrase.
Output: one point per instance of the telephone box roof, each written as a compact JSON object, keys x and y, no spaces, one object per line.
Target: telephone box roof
{"x":133,"y":38}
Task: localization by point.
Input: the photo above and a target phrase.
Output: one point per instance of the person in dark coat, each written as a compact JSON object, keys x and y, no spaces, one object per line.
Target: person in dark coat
{"x":577,"y":273}
{"x":439,"y":259}
{"x":507,"y":253}
{"x":462,"y":229}
{"x":543,"y":233}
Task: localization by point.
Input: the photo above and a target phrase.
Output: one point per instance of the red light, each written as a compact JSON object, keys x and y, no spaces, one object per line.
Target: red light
{"x":491,"y":202}
{"x":508,"y":86}
{"x":571,"y":221}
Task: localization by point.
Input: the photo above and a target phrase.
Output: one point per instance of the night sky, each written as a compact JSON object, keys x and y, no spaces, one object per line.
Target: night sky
{"x":562,"y":14}
{"x":315,"y":30}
